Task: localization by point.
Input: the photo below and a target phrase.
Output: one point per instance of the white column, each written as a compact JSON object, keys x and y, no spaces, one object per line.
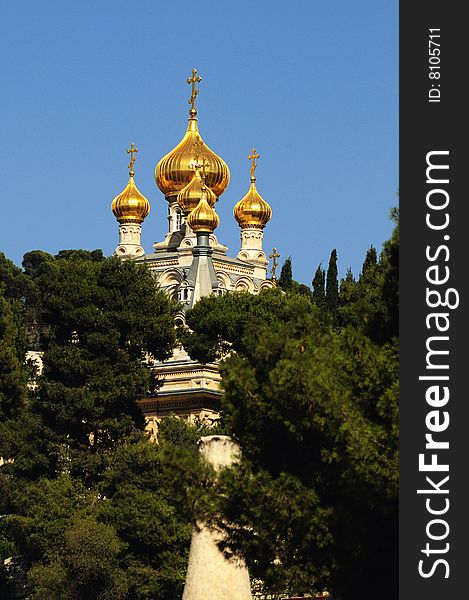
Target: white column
{"x":210,"y":575}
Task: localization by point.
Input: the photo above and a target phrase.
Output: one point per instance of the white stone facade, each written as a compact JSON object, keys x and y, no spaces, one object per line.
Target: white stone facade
{"x":130,"y":235}
{"x":190,"y":389}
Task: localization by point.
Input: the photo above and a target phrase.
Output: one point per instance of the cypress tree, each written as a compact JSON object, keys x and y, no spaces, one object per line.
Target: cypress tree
{"x":319,"y":291}
{"x":370,"y":262}
{"x":332,"y":286}
{"x":285,"y":281}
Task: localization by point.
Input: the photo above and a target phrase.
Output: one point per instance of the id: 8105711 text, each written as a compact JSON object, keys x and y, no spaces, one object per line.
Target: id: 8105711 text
{"x":434,"y":72}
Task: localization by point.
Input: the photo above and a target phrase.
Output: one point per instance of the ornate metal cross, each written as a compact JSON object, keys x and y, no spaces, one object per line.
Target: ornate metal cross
{"x":198,"y":143}
{"x":193,"y":80}
{"x":253,"y":157}
{"x":274,"y":256}
{"x":132,"y":151}
{"x":203,"y":165}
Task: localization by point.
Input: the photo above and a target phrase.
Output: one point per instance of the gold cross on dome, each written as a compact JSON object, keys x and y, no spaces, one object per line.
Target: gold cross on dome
{"x":273,"y":270}
{"x":253,"y":157}
{"x":193,"y":80}
{"x":204,"y":165}
{"x":198,"y":143}
{"x":132,"y":151}
{"x":201,"y":166}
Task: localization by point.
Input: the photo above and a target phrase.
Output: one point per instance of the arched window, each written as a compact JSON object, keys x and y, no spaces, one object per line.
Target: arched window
{"x":220,"y":290}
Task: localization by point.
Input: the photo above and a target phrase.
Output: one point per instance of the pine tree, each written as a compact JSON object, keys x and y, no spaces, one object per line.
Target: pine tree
{"x":103,"y":317}
{"x":83,"y":468}
{"x":315,"y":411}
{"x":12,"y":371}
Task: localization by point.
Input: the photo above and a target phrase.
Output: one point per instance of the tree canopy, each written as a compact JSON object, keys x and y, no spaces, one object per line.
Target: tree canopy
{"x":315,"y":408}
{"x":95,"y":510}
{"x":310,"y":381}
{"x":371,"y":303}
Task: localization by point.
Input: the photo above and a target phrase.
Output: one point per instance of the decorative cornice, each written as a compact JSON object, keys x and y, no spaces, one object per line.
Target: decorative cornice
{"x":233,"y":268}
{"x":163,"y":264}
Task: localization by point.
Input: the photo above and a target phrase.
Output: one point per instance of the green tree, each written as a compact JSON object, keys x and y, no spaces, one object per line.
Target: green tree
{"x":12,"y":372}
{"x":285,"y":281}
{"x":319,"y":287}
{"x":314,"y":501}
{"x":288,"y":284}
{"x":14,"y":288}
{"x":87,"y":567}
{"x":371,"y":304}
{"x":179,"y":433}
{"x":390,"y":286}
{"x":128,"y":535}
{"x":33,"y":260}
{"x":104,"y":319}
{"x":94,"y":508}
{"x":41,"y":511}
{"x":14,"y":283}
{"x":349,"y":278}
{"x":370,"y":262}
{"x":332,"y":286}
{"x":55,"y":528}
{"x":147,"y":487}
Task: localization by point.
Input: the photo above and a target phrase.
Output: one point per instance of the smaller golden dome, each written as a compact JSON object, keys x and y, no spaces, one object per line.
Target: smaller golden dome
{"x":189,"y":197}
{"x":203,"y":219}
{"x":130,"y":206}
{"x":252,"y":210}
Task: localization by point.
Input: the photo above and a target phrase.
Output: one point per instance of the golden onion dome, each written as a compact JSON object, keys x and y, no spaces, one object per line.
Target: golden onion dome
{"x":130,"y":206}
{"x":203,"y":219}
{"x":189,"y":197}
{"x":252,"y":210}
{"x":175,"y":170}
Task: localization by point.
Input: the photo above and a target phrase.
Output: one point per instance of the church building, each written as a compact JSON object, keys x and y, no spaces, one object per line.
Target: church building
{"x":191,"y":262}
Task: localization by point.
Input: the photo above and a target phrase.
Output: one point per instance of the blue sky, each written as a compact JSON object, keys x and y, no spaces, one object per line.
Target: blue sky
{"x":313,"y":85}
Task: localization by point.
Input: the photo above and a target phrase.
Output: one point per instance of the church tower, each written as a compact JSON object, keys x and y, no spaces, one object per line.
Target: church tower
{"x":130,"y":208}
{"x":177,"y":169}
{"x":253,"y":213}
{"x":190,"y":262}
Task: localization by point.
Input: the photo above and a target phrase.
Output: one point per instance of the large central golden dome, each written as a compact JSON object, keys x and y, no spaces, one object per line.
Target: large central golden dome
{"x":175,"y":170}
